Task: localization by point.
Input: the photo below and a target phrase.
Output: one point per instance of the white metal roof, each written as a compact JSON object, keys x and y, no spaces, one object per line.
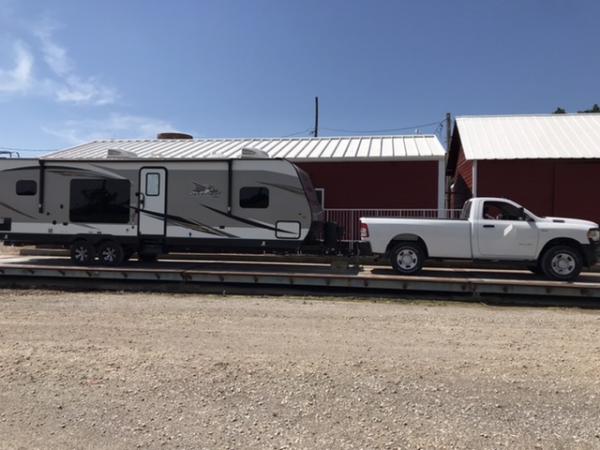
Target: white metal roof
{"x":295,"y":149}
{"x":549,"y":136}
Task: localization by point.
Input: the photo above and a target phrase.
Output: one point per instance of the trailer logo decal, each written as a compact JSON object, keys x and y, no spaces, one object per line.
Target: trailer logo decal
{"x":204,"y":190}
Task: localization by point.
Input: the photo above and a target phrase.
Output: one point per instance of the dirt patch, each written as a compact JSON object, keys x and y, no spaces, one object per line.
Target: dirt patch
{"x":192,"y":371}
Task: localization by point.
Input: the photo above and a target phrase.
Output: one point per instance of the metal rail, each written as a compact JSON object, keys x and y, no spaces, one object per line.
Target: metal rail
{"x":467,"y":282}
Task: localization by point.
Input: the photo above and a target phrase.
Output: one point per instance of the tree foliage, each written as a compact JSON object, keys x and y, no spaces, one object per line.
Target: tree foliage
{"x":593,"y":109}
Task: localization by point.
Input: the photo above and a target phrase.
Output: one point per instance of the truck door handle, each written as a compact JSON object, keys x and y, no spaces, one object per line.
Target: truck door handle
{"x":489,"y":226}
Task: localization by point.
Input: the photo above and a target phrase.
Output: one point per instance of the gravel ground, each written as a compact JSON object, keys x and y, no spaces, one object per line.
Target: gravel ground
{"x":110,"y":370}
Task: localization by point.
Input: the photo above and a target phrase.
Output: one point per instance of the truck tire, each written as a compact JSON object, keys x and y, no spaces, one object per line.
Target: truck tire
{"x":562,"y":263}
{"x":407,"y":257}
{"x":110,"y":253}
{"x":82,"y":253}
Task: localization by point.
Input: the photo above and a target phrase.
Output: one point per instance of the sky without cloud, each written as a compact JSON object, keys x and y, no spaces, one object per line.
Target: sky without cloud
{"x":73,"y":71}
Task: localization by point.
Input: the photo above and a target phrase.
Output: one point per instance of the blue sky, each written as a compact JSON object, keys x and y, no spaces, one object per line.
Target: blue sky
{"x":73,"y":71}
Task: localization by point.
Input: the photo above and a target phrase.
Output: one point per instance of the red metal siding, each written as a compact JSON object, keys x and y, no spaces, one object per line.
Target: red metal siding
{"x":547,"y":187}
{"x":576,"y":190}
{"x":366,"y":184}
{"x":530,"y":183}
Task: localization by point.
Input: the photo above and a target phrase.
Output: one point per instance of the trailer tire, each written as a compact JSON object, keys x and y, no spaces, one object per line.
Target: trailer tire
{"x":562,"y":263}
{"x":110,"y":253}
{"x":407,"y":257}
{"x":82,"y":252}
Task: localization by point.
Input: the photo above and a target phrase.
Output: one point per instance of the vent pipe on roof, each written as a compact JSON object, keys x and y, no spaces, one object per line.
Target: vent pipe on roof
{"x":174,"y":135}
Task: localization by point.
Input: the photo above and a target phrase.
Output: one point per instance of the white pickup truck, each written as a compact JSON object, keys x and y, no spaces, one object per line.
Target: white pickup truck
{"x":493,"y":229}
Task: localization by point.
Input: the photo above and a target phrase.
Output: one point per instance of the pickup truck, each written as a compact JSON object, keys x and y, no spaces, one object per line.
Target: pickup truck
{"x":492,"y":229}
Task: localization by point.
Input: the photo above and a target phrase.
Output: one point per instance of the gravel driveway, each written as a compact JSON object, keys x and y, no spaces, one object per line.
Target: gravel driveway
{"x":110,"y":370}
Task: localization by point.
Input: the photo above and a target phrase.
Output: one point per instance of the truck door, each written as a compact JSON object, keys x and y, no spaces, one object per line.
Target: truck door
{"x":504,"y":232}
{"x":152,"y":201}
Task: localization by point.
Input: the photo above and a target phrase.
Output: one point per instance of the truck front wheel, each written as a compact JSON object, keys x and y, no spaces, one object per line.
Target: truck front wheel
{"x":562,"y":263}
{"x":407,"y":258}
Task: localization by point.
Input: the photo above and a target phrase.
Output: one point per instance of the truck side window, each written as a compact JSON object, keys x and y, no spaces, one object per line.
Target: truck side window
{"x":501,"y":211}
{"x":26,"y":187}
{"x":254,"y":197}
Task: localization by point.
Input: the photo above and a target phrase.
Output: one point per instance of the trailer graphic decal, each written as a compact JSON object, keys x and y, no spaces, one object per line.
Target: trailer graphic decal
{"x":16,"y":210}
{"x":292,"y":189}
{"x":250,"y":222}
{"x":197,"y":226}
{"x":205,"y":190}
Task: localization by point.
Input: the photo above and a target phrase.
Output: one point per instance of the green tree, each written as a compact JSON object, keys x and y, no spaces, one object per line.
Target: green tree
{"x":559,"y":110}
{"x":595,"y":109}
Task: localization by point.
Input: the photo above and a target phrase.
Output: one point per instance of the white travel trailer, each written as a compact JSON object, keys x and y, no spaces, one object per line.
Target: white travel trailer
{"x":110,"y":209}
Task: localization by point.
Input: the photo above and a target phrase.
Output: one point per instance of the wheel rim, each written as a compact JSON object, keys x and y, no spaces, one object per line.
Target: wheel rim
{"x":81,"y":254}
{"x":407,"y":259}
{"x":563,"y":263}
{"x":109,"y":254}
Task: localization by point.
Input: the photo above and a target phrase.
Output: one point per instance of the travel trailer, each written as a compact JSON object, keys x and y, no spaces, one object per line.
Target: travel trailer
{"x":109,"y":209}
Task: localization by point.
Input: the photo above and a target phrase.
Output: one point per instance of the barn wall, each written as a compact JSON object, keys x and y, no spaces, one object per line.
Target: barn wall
{"x":547,"y":187}
{"x":385,"y":184}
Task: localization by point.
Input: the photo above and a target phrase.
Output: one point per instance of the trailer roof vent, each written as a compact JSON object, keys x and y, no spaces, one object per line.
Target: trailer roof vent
{"x":174,"y":135}
{"x":253,"y":153}
{"x":118,"y":153}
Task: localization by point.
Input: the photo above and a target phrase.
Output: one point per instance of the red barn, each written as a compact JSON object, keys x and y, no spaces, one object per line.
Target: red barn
{"x":548,"y":163}
{"x":375,"y":175}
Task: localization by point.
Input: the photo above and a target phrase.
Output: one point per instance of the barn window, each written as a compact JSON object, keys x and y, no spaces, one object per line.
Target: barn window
{"x":26,"y":187}
{"x":254,"y":197}
{"x":100,"y":201}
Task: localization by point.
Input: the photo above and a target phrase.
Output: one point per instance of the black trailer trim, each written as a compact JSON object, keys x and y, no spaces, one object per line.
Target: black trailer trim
{"x":42,"y":190}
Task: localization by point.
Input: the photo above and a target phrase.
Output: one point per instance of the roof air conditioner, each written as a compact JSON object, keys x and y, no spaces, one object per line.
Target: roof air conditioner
{"x":118,"y":153}
{"x":253,"y":153}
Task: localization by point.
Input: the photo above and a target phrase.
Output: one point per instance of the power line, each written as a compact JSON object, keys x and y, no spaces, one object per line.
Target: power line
{"x":24,"y":150}
{"x":299,"y":132}
{"x":385,"y":130}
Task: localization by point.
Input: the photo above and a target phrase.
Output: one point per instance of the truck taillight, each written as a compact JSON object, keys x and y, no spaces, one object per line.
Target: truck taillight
{"x":364,"y":231}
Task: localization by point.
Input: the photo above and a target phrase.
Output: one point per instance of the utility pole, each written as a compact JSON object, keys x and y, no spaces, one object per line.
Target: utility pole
{"x":316,"y":130}
{"x":448,"y":130}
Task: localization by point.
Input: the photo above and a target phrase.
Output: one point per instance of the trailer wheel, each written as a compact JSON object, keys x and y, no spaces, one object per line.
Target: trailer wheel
{"x":407,"y":258}
{"x":82,"y":253}
{"x":110,"y":253}
{"x":562,"y":262}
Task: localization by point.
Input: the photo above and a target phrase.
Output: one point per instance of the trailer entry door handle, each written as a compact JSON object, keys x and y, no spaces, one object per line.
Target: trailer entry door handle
{"x":489,"y":226}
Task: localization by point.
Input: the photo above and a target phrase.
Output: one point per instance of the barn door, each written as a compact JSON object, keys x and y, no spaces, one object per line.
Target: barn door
{"x":152,"y":201}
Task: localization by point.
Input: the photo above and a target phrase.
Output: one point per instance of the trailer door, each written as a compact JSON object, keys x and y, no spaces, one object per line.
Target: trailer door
{"x":152,"y":201}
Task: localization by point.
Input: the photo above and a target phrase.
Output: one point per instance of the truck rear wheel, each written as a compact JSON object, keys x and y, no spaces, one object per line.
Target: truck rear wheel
{"x":407,"y":258}
{"x":562,"y":263}
{"x":82,"y":252}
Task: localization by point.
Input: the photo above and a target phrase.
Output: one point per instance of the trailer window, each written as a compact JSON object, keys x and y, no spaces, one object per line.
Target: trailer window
{"x":152,"y":184}
{"x":100,"y":201}
{"x":26,"y":187}
{"x":254,"y":197}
